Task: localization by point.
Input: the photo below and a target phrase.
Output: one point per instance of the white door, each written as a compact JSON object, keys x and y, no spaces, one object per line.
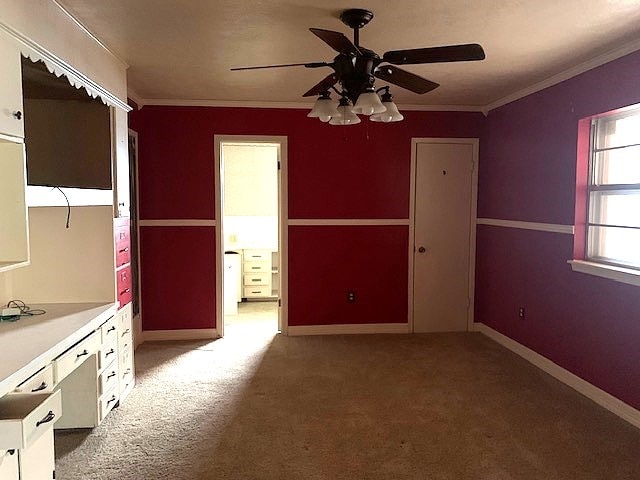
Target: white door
{"x":442,"y":234}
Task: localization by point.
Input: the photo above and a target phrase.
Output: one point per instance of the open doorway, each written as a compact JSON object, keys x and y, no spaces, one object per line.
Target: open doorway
{"x":250,"y":240}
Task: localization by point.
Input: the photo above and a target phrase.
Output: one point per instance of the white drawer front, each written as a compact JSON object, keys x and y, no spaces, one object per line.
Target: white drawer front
{"x":108,"y":401}
{"x":108,"y":353}
{"x":257,"y":279}
{"x":257,"y":291}
{"x":124,"y":318}
{"x":9,"y":465}
{"x":126,"y":379}
{"x":109,"y":330}
{"x":72,"y":358}
{"x":40,"y":382}
{"x":257,"y":255}
{"x":108,"y":378}
{"x":26,"y":416}
{"x":256,"y":267}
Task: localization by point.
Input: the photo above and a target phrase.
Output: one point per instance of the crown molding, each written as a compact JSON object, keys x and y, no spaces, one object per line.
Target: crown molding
{"x":166,"y":102}
{"x":135,"y":97}
{"x":567,"y":74}
{"x":88,"y":32}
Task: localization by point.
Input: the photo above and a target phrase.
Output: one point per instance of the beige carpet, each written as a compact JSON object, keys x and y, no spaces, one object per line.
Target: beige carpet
{"x":254,"y":406}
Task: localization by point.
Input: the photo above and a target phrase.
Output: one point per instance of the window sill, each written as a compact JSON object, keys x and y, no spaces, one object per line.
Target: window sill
{"x":619,"y":274}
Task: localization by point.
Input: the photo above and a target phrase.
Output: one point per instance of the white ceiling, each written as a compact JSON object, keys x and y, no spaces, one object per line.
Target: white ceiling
{"x":183,"y":50}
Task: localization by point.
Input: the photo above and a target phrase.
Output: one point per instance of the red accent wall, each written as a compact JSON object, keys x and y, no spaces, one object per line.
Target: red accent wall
{"x":328,"y":262}
{"x":586,"y":324}
{"x":354,"y":172}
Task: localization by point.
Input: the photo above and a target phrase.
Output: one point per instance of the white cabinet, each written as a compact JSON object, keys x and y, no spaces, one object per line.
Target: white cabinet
{"x":126,"y":369}
{"x":11,"y":112}
{"x":256,"y":274}
{"x":26,"y":428}
{"x":14,"y":231}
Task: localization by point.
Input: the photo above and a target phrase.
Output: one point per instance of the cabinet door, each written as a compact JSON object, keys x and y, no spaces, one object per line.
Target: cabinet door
{"x":9,"y":465}
{"x":11,"y":121}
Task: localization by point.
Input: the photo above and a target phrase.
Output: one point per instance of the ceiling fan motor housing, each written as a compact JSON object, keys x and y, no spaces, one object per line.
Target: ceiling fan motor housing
{"x":355,"y":74}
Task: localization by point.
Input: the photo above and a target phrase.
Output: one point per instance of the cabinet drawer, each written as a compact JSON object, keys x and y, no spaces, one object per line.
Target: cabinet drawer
{"x":108,"y":378}
{"x":40,"y":382}
{"x":256,"y":267}
{"x":123,"y":255}
{"x":72,"y":358}
{"x":126,"y":379}
{"x":108,"y":401}
{"x":26,"y":416}
{"x":257,"y":255}
{"x":123,"y":280}
{"x":257,"y":279}
{"x":9,"y":465}
{"x":108,"y":353}
{"x":109,"y":331}
{"x":257,"y":291}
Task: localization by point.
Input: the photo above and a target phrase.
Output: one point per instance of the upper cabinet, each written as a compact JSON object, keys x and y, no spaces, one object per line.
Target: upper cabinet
{"x":11,"y":109}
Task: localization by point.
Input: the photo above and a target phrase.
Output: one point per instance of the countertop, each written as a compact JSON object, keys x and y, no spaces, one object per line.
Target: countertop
{"x":31,"y":343}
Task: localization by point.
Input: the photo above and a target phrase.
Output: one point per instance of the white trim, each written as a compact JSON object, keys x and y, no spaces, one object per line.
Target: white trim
{"x":36,"y":52}
{"x":566,"y":74}
{"x":89,"y":33}
{"x":346,"y":221}
{"x":475,"y":143}
{"x":184,"y":334}
{"x":135,"y":97}
{"x":349,"y":329}
{"x":283,"y":213}
{"x":612,"y":272}
{"x":541,"y":227}
{"x":170,"y":102}
{"x":602,"y":398}
{"x":177,"y":223}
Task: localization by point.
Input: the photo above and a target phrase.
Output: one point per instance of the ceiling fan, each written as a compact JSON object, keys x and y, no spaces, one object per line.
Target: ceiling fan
{"x":355,"y":68}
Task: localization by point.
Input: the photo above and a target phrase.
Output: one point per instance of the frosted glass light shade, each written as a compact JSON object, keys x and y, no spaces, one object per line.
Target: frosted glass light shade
{"x":390,"y":115}
{"x":345,"y":116}
{"x":324,"y":109}
{"x":369,"y":103}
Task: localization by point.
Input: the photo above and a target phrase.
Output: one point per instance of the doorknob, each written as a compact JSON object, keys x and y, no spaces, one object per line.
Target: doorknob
{"x":422,"y":249}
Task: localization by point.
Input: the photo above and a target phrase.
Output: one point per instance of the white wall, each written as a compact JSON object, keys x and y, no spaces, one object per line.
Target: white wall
{"x":250,"y":196}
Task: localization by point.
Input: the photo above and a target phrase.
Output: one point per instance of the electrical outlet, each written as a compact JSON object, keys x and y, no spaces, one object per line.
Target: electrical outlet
{"x":521,"y":312}
{"x":351,"y":297}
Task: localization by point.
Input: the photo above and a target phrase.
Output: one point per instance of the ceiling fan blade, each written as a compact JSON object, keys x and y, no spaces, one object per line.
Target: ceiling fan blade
{"x":449,"y":53}
{"x":328,"y":82}
{"x":307,"y":65}
{"x":336,"y":40}
{"x":405,"y":79}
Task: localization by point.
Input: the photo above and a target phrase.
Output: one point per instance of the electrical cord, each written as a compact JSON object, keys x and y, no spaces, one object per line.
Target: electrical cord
{"x":68,"y":205}
{"x":25,"y":311}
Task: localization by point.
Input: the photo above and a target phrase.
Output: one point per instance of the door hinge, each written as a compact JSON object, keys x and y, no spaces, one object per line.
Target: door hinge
{"x":279,"y":165}
{"x":279,"y":302}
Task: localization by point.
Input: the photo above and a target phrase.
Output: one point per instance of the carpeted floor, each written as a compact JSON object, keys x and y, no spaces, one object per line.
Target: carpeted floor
{"x":442,"y":406}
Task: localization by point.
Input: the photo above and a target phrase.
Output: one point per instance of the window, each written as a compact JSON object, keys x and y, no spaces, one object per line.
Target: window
{"x":613,"y":191}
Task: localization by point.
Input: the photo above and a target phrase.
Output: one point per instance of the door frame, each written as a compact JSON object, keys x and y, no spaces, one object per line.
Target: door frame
{"x":283,"y":216}
{"x":474,"y":142}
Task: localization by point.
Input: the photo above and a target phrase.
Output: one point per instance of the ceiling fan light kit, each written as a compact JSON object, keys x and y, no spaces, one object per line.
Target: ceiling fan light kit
{"x":356,"y":69}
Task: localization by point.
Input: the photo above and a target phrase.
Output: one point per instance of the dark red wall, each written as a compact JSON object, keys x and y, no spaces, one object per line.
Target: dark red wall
{"x":586,"y":324}
{"x":353,"y":172}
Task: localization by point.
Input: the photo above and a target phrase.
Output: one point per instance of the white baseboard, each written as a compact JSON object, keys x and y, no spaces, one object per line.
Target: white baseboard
{"x":184,"y":334}
{"x":364,"y":328}
{"x":602,"y":398}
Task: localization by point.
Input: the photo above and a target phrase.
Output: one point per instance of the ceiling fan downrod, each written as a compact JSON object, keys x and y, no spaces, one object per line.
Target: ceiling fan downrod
{"x":356,"y":18}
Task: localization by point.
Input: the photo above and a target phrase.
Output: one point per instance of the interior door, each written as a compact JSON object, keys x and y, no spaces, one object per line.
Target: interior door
{"x":442,"y":229}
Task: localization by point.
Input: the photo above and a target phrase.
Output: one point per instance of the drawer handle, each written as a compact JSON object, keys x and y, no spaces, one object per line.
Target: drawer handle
{"x":109,"y":353}
{"x":48,"y":418}
{"x":127,"y":371}
{"x":11,"y":452}
{"x":112,"y":374}
{"x":111,"y":329}
{"x":256,"y":280}
{"x":112,"y":399}
{"x":257,"y":292}
{"x":17,"y":115}
{"x":255,"y":268}
{"x":125,"y":249}
{"x":126,"y":290}
{"x":42,"y":386}
{"x":125,"y":332}
{"x":84,"y":352}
